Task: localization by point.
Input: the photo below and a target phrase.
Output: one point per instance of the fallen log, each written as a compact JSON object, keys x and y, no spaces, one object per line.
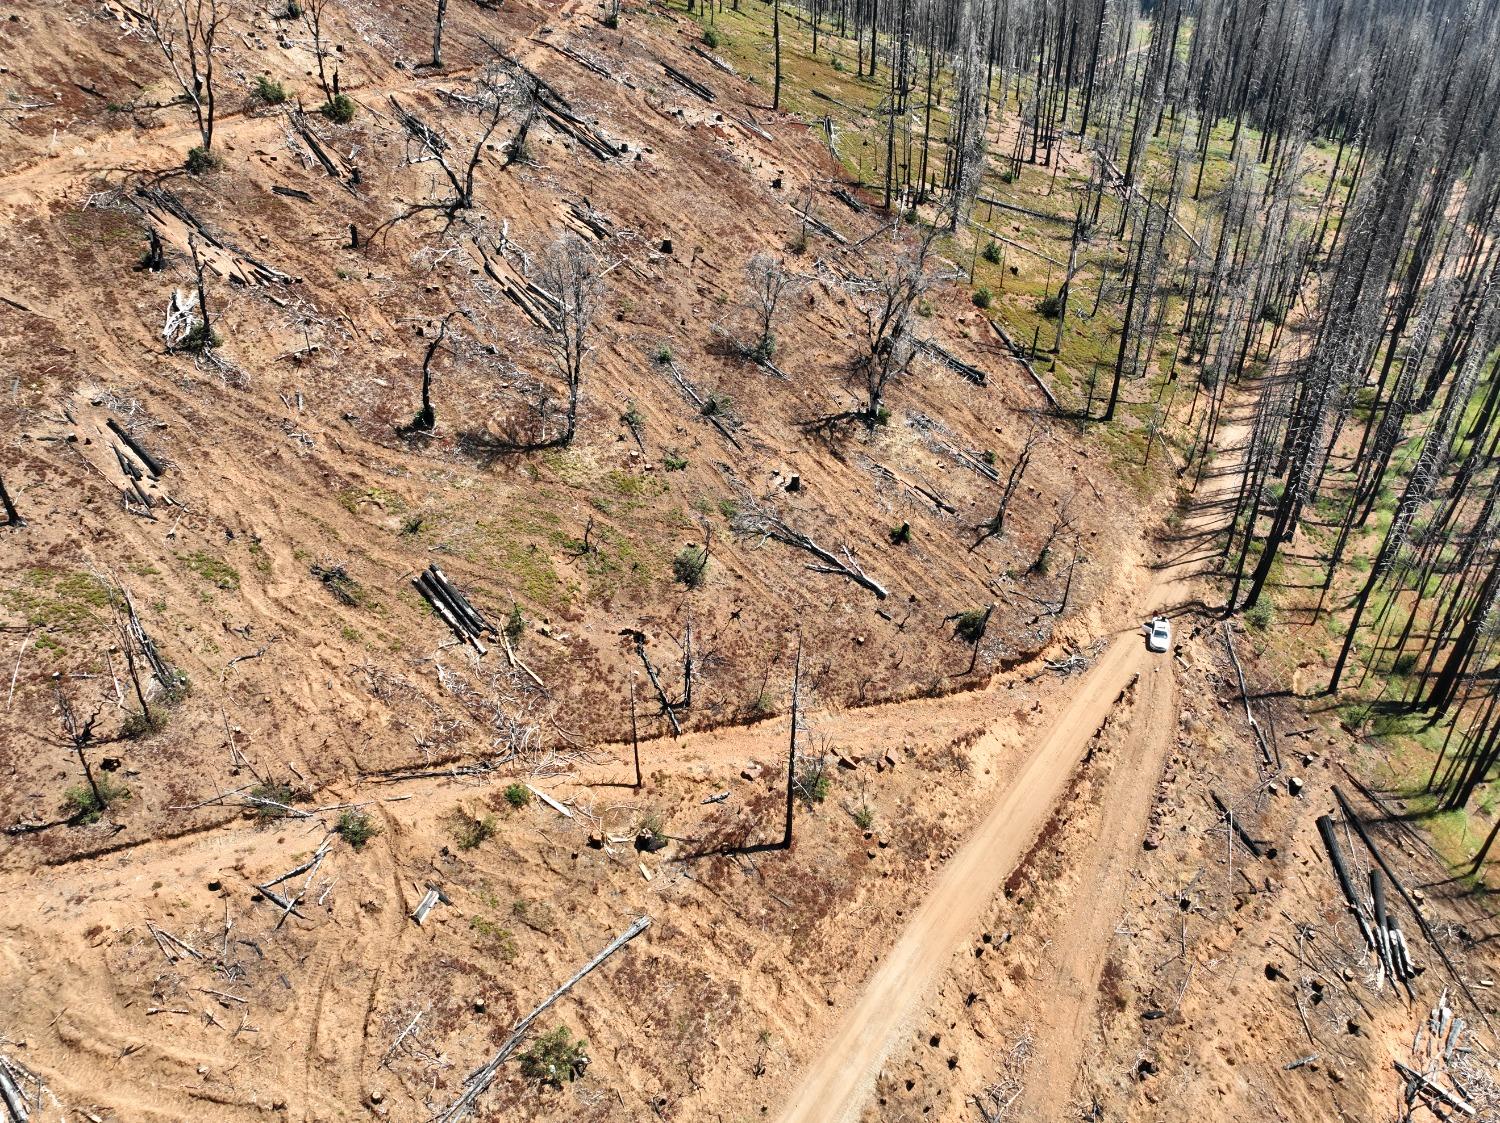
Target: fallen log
{"x":1431,"y":1088}
{"x":1352,"y":817}
{"x":576,"y":127}
{"x":550,"y":802}
{"x":1020,"y":356}
{"x":1239,"y":671}
{"x":848,"y":200}
{"x":291,"y":193}
{"x":713,"y":60}
{"x":1234,"y":822}
{"x":153,"y":465}
{"x":954,"y":363}
{"x":481,"y":1078}
{"x":821,"y":227}
{"x":1004,"y":206}
{"x":848,"y":567}
{"x":692,"y":85}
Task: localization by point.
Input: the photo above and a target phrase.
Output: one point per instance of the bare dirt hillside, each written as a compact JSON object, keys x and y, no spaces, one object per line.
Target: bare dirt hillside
{"x":237,"y":529}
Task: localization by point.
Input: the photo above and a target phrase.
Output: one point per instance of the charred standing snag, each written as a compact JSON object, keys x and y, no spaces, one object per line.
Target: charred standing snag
{"x":12,"y":516}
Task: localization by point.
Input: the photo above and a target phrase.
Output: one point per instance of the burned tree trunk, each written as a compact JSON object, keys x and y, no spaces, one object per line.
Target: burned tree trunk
{"x":12,"y":516}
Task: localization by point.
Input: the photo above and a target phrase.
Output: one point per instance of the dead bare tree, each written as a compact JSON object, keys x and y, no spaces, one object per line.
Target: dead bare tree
{"x":569,"y":274}
{"x":79,"y":734}
{"x":498,"y":92}
{"x":995,"y":527}
{"x":312,"y":15}
{"x":185,"y":30}
{"x":12,"y":516}
{"x":437,"y":34}
{"x":769,"y":281}
{"x":791,"y":754}
{"x":426,"y":419}
{"x":884,"y":305}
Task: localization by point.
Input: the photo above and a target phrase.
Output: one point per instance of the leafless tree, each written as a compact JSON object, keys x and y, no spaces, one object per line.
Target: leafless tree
{"x":569,"y":271}
{"x":313,"y":12}
{"x":885,"y":304}
{"x":185,"y":31}
{"x":79,"y":735}
{"x":769,"y":282}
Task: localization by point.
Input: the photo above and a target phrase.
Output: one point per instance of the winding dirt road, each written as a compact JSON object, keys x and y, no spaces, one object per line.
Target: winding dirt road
{"x":834,"y":1088}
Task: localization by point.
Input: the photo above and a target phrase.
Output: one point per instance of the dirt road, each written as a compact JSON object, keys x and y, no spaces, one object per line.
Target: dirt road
{"x":834,"y":1088}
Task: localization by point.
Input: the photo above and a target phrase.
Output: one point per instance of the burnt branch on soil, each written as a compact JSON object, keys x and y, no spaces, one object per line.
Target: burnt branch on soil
{"x":765,"y":522}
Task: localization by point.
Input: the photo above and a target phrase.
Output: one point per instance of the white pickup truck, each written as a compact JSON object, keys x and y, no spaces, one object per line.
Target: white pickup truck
{"x":1158,"y":634}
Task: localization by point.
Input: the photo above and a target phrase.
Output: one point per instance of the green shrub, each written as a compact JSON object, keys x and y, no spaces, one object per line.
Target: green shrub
{"x":87,"y":807}
{"x":991,"y":252}
{"x":812,"y":782}
{"x":715,"y":404}
{"x":515,"y":624}
{"x":470,"y":832}
{"x":356,"y":827}
{"x":137,"y":724}
{"x":555,"y":1058}
{"x":499,"y":941}
{"x":882,"y":416}
{"x":293,"y":10}
{"x":711,"y":38}
{"x":517,"y":795}
{"x":271,"y":800}
{"x":970,"y":625}
{"x":982,"y":297}
{"x":864,"y":816}
{"x":268,"y":90}
{"x":1050,"y":306}
{"x":1260,"y":616}
{"x":339,"y":109}
{"x":200,"y":160}
{"x":199,"y":338}
{"x":663,"y":353}
{"x":673,"y":462}
{"x":900,"y":535}
{"x":690,"y":566}
{"x":612,"y":21}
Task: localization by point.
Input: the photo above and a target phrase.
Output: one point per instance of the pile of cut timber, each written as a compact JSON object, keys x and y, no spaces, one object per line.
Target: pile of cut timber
{"x":453,"y":607}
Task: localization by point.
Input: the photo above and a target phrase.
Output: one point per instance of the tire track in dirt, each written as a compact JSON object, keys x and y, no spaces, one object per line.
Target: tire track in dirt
{"x":833,"y":1089}
{"x":1070,"y":992}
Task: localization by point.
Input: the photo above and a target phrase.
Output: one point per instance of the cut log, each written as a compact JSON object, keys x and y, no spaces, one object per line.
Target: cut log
{"x":153,"y":465}
{"x":481,"y":1078}
{"x":692,"y":85}
{"x":429,"y":902}
{"x":1352,"y":817}
{"x":11,"y":1094}
{"x":954,"y":363}
{"x":550,"y":802}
